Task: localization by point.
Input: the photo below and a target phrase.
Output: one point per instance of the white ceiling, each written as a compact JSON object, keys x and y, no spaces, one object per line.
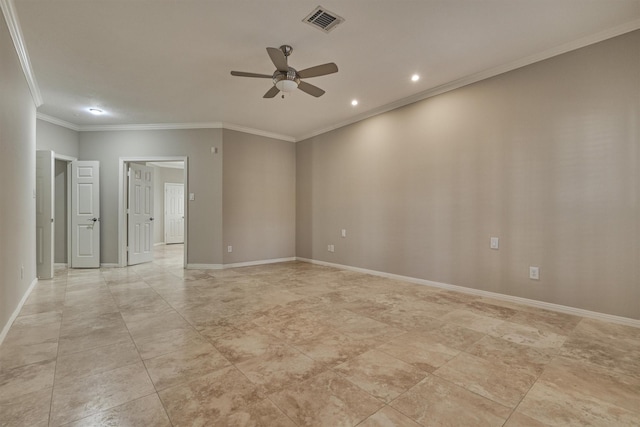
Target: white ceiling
{"x":161,"y":61}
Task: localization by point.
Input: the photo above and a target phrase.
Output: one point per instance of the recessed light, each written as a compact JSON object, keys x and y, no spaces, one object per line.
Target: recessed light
{"x":415,"y":78}
{"x":354,"y":102}
{"x":95,"y":111}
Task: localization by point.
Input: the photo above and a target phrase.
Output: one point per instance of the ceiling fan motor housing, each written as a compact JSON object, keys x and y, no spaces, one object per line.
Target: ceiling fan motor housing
{"x":286,"y":82}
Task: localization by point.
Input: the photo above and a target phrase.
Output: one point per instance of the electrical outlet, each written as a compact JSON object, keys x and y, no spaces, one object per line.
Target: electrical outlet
{"x":229,"y":248}
{"x":331,"y":248}
{"x":495,"y":243}
{"x":343,"y":233}
{"x":534,"y":273}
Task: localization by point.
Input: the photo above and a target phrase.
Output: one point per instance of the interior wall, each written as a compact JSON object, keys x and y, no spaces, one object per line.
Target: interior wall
{"x":56,"y":138}
{"x":17,"y":174}
{"x":60,"y":212}
{"x":162,"y":175}
{"x":258,"y":198}
{"x":205,"y":181}
{"x":546,"y":157}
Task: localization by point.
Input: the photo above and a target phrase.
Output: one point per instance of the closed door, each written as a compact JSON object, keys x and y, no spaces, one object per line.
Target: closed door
{"x":44,"y":214}
{"x":140,"y":214}
{"x":173,"y":213}
{"x":85,"y":214}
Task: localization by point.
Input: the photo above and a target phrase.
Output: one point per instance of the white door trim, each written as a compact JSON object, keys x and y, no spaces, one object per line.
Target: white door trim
{"x":45,"y":213}
{"x":122,"y":202}
{"x":67,"y":159}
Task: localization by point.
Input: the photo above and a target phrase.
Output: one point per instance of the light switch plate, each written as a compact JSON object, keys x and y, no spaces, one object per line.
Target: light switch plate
{"x":495,"y":243}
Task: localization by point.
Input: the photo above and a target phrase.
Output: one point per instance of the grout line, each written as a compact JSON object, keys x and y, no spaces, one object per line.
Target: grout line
{"x":55,"y":369}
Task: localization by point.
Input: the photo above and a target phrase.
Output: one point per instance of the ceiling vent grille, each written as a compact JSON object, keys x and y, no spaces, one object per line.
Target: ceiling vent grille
{"x":322,"y":19}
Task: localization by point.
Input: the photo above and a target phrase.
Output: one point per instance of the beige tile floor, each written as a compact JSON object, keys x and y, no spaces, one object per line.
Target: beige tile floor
{"x":295,"y":344}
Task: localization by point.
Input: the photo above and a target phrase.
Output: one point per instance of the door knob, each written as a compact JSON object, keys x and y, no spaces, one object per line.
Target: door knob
{"x":151,"y":219}
{"x":93,"y":219}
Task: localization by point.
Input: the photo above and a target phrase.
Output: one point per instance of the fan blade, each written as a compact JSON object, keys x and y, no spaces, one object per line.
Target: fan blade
{"x":310,"y":89}
{"x":318,"y":70}
{"x":271,"y":92}
{"x":278,"y":59}
{"x":243,"y":74}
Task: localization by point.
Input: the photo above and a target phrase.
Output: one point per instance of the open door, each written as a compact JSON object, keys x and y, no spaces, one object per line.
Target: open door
{"x":140,"y":235}
{"x":173,"y":213}
{"x":44,"y":213}
{"x":85,"y":214}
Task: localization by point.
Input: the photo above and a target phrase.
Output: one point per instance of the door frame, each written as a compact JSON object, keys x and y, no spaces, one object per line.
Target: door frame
{"x":67,"y":159}
{"x":122,"y":201}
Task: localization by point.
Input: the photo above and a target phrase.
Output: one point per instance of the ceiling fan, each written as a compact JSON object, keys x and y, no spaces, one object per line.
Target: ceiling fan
{"x":287,"y":79}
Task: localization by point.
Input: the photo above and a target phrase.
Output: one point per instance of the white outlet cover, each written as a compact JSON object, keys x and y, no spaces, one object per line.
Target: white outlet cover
{"x":344,"y":233}
{"x":534,"y":273}
{"x":229,"y":248}
{"x":495,"y":243}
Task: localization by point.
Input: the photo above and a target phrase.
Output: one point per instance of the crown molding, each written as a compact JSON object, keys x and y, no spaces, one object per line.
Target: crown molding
{"x":150,"y":126}
{"x":230,"y":126}
{"x":485,"y":74}
{"x":56,"y":121}
{"x":11,"y":17}
{"x":164,"y":126}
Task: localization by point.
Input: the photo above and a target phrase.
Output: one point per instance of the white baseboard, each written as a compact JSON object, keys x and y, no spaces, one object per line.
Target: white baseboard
{"x":109,"y":265}
{"x":260,"y":262}
{"x":205,"y":266}
{"x":519,"y":300}
{"x":6,"y":328}
{"x":237,"y":264}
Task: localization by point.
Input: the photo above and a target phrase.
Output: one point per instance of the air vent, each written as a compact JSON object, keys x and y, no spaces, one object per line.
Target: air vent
{"x":322,"y":19}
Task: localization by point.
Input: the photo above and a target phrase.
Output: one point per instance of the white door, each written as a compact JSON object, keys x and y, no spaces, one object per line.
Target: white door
{"x":44,"y":213}
{"x":85,"y":214}
{"x":173,"y":213}
{"x":140,"y":236}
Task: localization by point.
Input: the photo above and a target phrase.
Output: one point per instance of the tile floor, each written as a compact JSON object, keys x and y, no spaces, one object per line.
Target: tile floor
{"x":295,"y":344}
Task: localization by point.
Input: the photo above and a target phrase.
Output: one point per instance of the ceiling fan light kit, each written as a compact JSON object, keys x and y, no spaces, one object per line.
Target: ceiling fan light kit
{"x":286,"y":82}
{"x":287,"y":79}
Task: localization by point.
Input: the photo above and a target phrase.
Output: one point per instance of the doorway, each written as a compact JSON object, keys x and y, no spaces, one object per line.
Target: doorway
{"x":53,"y":203}
{"x":164,"y":170}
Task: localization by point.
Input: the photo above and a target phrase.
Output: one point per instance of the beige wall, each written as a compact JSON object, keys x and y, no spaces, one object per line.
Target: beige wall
{"x":205,"y":180}
{"x":258,"y":189}
{"x":258,"y":197}
{"x":17,"y":175}
{"x":547,"y":158}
